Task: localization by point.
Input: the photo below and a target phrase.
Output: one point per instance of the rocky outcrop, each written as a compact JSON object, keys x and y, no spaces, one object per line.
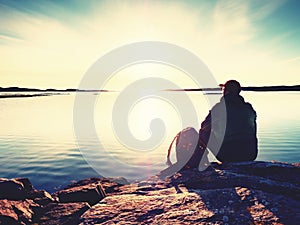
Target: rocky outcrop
{"x":61,"y":213}
{"x":20,"y":203}
{"x":237,"y":193}
{"x":17,"y":212}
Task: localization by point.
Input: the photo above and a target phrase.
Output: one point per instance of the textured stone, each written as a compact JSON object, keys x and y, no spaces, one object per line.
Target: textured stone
{"x":16,"y":212}
{"x":139,"y":209}
{"x":110,"y":185}
{"x":230,"y":175}
{"x":11,"y":189}
{"x":41,"y":197}
{"x":26,"y":184}
{"x":238,"y":193}
{"x":88,"y":193}
{"x":62,"y":213}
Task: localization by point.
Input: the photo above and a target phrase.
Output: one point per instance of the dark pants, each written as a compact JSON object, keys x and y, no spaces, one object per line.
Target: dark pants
{"x":238,"y":151}
{"x":196,"y":157}
{"x":233,"y":151}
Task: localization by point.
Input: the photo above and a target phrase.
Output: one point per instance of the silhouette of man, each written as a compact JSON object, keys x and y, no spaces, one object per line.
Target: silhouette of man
{"x":229,"y":130}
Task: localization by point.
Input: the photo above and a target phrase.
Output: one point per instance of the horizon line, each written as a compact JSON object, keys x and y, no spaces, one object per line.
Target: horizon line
{"x":248,"y":88}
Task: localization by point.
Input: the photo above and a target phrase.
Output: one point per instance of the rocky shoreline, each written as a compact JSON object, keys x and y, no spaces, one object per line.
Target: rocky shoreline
{"x":238,"y":193}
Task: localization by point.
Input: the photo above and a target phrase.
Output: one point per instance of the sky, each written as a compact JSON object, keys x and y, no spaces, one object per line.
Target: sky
{"x":51,"y":44}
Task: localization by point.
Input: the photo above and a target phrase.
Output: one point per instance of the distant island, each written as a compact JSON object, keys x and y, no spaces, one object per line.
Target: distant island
{"x":20,"y":89}
{"x":250,"y":88}
{"x":273,"y":88}
{"x":19,"y":92}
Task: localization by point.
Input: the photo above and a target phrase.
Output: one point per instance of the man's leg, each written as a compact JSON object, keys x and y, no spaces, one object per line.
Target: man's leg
{"x":196,"y":157}
{"x":204,"y":163}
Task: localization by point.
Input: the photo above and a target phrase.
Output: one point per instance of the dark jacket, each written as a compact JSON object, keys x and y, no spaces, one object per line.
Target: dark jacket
{"x":229,"y":130}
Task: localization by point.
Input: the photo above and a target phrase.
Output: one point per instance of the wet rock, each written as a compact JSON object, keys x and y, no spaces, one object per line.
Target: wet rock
{"x":87,"y":193}
{"x":110,"y":185}
{"x":41,"y":197}
{"x":26,"y":184}
{"x":7,"y":212}
{"x":16,"y":212}
{"x":118,"y":180}
{"x":61,"y":213}
{"x":12,"y":189}
{"x":22,"y":204}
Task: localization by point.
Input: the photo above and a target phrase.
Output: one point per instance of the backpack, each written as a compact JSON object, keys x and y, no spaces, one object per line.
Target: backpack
{"x":186,"y":143}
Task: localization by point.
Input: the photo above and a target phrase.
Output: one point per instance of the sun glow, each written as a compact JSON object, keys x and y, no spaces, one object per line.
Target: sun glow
{"x":148,"y":102}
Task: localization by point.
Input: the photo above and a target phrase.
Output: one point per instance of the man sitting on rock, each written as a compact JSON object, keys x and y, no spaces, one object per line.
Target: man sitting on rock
{"x":229,"y":130}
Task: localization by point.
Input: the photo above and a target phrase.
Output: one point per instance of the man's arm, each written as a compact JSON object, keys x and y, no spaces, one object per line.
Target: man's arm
{"x":205,"y":130}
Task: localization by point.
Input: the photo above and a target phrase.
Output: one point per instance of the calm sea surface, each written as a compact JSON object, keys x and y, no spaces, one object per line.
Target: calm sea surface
{"x":37,"y":136}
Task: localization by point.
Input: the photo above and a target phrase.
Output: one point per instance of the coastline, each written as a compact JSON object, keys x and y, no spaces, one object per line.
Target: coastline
{"x":239,"y":193}
{"x":25,"y":95}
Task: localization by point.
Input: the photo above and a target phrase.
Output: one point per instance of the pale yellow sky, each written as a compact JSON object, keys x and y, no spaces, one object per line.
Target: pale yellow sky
{"x":38,"y":50}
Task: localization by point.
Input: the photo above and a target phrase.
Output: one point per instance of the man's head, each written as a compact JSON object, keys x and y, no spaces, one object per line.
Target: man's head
{"x":231,"y":87}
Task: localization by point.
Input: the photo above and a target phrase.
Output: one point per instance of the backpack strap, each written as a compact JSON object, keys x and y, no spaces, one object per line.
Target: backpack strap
{"x":169,"y":163}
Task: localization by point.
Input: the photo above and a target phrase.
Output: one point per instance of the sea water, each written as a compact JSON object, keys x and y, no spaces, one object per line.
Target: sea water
{"x":38,"y":140}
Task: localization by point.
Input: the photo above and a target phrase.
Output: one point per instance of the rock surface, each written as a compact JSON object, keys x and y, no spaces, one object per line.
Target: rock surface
{"x":20,"y":203}
{"x":90,"y":193}
{"x":61,"y":213}
{"x":16,"y":212}
{"x":12,"y":189}
{"x":237,"y":193}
